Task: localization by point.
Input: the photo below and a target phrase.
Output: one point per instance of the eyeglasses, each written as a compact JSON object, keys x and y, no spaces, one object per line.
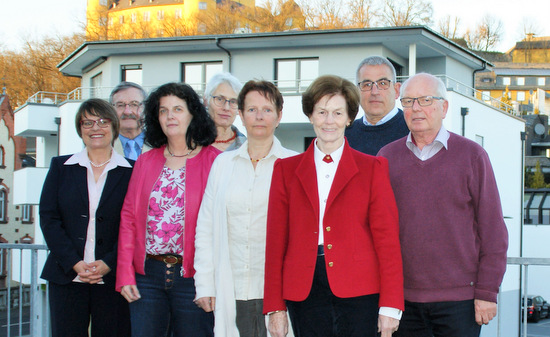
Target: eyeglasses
{"x":220,"y":101}
{"x":102,"y":123}
{"x":407,"y":102}
{"x":134,"y":106}
{"x":382,"y":84}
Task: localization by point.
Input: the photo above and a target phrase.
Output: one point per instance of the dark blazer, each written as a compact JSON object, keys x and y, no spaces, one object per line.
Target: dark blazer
{"x":360,"y":228}
{"x":64,"y":216}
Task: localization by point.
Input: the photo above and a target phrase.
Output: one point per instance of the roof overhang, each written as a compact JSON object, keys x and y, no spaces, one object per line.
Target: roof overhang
{"x":396,"y":39}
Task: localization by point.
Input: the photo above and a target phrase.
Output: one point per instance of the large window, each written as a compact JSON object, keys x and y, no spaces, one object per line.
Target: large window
{"x":520,"y":81}
{"x":197,"y":74}
{"x":146,"y":16}
{"x":131,"y":73}
{"x":520,"y":97}
{"x":2,"y":157}
{"x":3,"y":206}
{"x":295,"y":74}
{"x":541,"y":81}
{"x":506,"y":81}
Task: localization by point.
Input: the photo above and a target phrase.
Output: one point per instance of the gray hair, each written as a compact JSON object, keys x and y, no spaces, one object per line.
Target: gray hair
{"x":376,"y":61}
{"x":441,"y":88}
{"x":220,"y":78}
{"x":127,"y":85}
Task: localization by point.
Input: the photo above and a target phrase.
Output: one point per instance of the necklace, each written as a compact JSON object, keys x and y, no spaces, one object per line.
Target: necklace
{"x":257,"y":160}
{"x":102,"y":164}
{"x":99,"y":165}
{"x":227,"y":140}
{"x":178,"y":156}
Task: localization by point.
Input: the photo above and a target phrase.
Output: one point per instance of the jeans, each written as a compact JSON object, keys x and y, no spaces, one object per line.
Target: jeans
{"x":322,"y":314}
{"x":439,"y":319}
{"x":167,"y":301}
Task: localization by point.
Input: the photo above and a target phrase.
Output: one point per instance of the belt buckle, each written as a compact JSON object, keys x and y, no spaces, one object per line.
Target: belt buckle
{"x":170,"y":259}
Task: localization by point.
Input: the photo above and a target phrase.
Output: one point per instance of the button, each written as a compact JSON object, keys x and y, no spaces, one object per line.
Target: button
{"x":472,"y":284}
{"x":327,"y":229}
{"x":100,"y":218}
{"x":330,"y":264}
{"x":327,"y":176}
{"x":329,"y":246}
{"x":325,"y":201}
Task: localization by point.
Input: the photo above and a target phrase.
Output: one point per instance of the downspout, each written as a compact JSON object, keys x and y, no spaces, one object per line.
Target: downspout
{"x":474,"y":74}
{"x":218,"y":41}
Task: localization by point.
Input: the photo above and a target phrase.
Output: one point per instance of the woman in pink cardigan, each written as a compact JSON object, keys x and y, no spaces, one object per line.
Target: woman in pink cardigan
{"x":157,"y":229}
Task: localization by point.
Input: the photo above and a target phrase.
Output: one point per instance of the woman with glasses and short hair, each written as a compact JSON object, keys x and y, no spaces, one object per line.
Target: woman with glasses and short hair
{"x":220,"y":100}
{"x":79,"y":216}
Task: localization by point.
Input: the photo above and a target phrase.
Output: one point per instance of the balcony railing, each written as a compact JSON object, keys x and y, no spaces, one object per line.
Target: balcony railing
{"x":287,"y":88}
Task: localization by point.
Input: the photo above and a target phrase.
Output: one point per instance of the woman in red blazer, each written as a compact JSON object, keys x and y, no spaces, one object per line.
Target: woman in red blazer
{"x":333,"y":256}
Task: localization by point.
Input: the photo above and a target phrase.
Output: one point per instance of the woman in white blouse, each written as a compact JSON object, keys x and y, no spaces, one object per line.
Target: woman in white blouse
{"x":231,"y":227}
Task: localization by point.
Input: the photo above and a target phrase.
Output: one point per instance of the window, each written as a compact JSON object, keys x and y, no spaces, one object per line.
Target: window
{"x":486,"y":95}
{"x":520,"y":81}
{"x":506,"y":81}
{"x":520,"y":96}
{"x":146,"y":16}
{"x":296,"y":74}
{"x":3,"y":206}
{"x":95,"y":85}
{"x":134,"y":17}
{"x":131,"y":73}
{"x":202,"y":5}
{"x":198,"y":74}
{"x":178,"y":13}
{"x":26,"y":214}
{"x":121,"y":19}
{"x":2,"y":157}
{"x":541,"y":81}
{"x":110,"y":22}
{"x":509,"y":94}
{"x":160,"y":15}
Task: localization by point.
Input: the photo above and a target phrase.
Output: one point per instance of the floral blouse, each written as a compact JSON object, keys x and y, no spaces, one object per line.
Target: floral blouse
{"x":166,"y":214}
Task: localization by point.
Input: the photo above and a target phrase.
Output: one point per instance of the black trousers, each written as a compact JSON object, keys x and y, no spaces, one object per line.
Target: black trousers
{"x":73,"y":305}
{"x":439,"y":319}
{"x":322,"y":314}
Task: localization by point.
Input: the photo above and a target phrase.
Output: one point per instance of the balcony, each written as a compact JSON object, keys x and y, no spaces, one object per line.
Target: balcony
{"x":27,"y":184}
{"x":36,"y":120}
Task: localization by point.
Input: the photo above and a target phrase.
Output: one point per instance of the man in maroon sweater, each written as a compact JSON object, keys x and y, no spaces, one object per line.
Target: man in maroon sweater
{"x":452,"y":232}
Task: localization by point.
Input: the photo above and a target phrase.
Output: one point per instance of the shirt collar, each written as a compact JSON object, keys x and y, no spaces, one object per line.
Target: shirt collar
{"x":442,"y":137}
{"x":276,"y":150}
{"x":384,"y":119}
{"x":139,"y":139}
{"x":81,"y":158}
{"x":336,"y":155}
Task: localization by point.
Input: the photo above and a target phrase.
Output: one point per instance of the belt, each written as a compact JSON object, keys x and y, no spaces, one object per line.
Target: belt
{"x":166,"y":258}
{"x":320,"y":250}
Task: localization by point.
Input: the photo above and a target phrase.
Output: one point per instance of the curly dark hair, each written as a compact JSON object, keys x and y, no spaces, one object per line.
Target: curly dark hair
{"x":331,"y":85}
{"x":201,"y":131}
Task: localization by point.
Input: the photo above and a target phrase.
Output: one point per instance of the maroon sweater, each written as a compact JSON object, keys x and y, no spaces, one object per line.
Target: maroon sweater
{"x":452,"y":231}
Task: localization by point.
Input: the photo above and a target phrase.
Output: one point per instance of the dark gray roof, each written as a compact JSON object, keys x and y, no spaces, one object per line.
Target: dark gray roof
{"x":522,"y":71}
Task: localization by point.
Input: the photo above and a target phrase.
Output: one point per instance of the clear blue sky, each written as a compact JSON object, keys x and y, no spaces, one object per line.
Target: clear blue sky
{"x":24,"y":19}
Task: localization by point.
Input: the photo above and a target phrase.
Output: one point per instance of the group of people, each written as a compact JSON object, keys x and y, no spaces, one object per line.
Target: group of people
{"x":386,"y":224}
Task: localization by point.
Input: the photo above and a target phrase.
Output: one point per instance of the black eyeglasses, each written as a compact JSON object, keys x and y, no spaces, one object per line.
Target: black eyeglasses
{"x":102,"y":123}
{"x":220,"y":101}
{"x":134,"y":106}
{"x":382,"y":84}
{"x":407,"y":102}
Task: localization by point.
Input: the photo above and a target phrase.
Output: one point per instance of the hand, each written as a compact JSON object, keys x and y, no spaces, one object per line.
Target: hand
{"x":130,"y":293}
{"x":81,"y":267}
{"x":278,"y":324}
{"x":94,"y":272}
{"x":207,"y":304}
{"x":387,"y":325}
{"x":485,"y":311}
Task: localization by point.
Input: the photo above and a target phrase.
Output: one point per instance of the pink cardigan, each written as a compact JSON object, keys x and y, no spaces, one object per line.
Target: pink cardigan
{"x":131,"y":240}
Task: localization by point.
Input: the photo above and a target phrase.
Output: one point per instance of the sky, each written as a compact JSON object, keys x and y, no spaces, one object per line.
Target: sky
{"x":33,"y":19}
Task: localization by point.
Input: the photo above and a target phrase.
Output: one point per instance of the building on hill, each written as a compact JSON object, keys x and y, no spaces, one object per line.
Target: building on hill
{"x":531,"y":50}
{"x":16,"y":221}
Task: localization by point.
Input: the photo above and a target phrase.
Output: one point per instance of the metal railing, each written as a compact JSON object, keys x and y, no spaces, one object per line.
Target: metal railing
{"x":524,"y":263}
{"x":21,"y":293}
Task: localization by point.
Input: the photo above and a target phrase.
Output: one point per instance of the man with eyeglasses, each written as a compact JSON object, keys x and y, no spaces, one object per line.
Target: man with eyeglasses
{"x":452,"y":231}
{"x":127,"y":98}
{"x":383,"y":122}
